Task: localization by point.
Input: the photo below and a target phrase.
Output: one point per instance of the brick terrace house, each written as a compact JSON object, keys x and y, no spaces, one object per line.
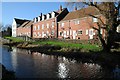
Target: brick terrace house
{"x":78,"y":24}
{"x":25,"y":29}
{"x":16,"y":23}
{"x":46,"y":25}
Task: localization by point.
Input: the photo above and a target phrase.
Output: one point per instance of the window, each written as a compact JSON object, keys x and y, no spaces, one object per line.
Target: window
{"x":91,"y":32}
{"x":34,"y":27}
{"x":86,"y":32}
{"x":95,"y":20}
{"x":62,"y":24}
{"x":100,"y":31}
{"x":52,"y":33}
{"x":42,"y":26}
{"x":34,"y":33}
{"x":47,"y":25}
{"x":38,"y":27}
{"x":61,"y":33}
{"x":67,"y":32}
{"x":39,"y":34}
{"x":52,"y":24}
{"x":47,"y":32}
{"x":79,"y":32}
{"x":77,"y":22}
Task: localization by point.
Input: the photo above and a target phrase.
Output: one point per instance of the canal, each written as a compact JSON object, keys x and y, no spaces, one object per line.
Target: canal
{"x":27,"y":64}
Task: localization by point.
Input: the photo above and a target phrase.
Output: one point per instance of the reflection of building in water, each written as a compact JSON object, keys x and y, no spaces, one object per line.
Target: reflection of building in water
{"x":14,"y":58}
{"x":90,"y":70}
{"x":62,"y":70}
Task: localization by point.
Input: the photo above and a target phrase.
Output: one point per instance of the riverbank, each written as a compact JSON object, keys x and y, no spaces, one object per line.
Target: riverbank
{"x":84,"y":52}
{"x":53,"y":45}
{"x":7,"y":75}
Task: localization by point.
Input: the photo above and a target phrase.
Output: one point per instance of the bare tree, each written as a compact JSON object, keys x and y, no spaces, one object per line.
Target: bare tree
{"x":110,"y":10}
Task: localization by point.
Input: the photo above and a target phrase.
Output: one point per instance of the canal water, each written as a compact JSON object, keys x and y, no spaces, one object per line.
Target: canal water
{"x":27,"y":64}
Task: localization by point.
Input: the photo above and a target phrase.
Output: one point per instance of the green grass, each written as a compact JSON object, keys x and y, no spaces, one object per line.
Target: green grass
{"x":14,"y":39}
{"x":87,"y":47}
{"x":70,"y":45}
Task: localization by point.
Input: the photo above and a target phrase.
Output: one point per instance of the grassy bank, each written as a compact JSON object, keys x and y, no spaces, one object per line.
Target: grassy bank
{"x":70,"y":45}
{"x":64,"y":46}
{"x":13,"y":39}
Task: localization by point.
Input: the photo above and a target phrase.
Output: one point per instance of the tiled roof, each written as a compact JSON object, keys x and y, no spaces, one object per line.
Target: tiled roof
{"x":81,"y":13}
{"x":20,"y":21}
{"x":27,"y":24}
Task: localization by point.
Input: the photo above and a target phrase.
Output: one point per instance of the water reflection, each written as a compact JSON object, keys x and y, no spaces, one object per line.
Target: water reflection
{"x":62,"y":70}
{"x":29,"y":64}
{"x":14,"y":58}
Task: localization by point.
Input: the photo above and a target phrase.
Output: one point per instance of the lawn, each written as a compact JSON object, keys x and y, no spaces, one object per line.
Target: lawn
{"x":70,"y":45}
{"x":14,"y":39}
{"x":62,"y":44}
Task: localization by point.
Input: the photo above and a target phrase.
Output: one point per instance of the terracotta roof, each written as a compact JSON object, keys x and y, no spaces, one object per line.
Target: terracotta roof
{"x":81,"y":13}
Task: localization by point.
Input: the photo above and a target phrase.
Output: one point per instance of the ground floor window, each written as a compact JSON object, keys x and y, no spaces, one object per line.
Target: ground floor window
{"x":61,"y":33}
{"x":79,"y":32}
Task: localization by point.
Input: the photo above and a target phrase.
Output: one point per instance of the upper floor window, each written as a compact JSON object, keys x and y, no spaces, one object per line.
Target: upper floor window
{"x":34,"y":27}
{"x":38,"y":27}
{"x":42,"y":26}
{"x":62,"y":24}
{"x":52,"y":24}
{"x":47,"y":25}
{"x":95,"y":19}
{"x":77,"y":22}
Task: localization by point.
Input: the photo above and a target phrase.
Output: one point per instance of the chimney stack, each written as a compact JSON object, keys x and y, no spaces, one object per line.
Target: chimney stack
{"x":60,"y":7}
{"x":41,"y":14}
{"x":75,"y":8}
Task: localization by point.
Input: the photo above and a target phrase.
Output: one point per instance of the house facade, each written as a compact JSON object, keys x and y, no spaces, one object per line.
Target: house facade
{"x":79,"y":25}
{"x":46,"y":25}
{"x":25,"y":29}
{"x":16,"y":23}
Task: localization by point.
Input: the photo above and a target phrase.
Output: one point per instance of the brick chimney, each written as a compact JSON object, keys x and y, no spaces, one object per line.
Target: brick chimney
{"x":60,"y":7}
{"x":75,"y":8}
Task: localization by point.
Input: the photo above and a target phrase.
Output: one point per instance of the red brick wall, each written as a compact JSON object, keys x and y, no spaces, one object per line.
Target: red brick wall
{"x":39,"y":31}
{"x":84,"y":24}
{"x":24,"y":31}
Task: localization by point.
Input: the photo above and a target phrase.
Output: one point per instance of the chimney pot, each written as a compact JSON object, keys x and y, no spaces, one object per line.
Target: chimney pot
{"x":60,"y":7}
{"x":75,"y":8}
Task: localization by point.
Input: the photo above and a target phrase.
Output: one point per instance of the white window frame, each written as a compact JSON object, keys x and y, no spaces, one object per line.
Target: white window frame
{"x":34,"y":27}
{"x":62,"y":24}
{"x":81,"y":32}
{"x":47,"y":25}
{"x":53,"y":24}
{"x":38,"y":27}
{"x":42,"y":26}
{"x":95,"y":19}
{"x":87,"y":32}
